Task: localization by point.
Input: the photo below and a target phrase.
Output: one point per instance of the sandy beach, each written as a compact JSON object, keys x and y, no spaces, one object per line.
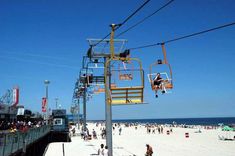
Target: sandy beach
{"x":132,"y":141}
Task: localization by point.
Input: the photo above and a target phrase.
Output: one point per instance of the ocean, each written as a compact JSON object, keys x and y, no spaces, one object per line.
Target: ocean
{"x":187,"y":121}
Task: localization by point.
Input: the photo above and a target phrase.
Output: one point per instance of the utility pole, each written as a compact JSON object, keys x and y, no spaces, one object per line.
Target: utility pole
{"x":108,"y":115}
{"x":47,"y":82}
{"x":56,"y":103}
{"x":109,"y":58}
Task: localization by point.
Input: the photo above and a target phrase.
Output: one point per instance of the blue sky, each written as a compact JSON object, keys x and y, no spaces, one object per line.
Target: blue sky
{"x":46,"y":40}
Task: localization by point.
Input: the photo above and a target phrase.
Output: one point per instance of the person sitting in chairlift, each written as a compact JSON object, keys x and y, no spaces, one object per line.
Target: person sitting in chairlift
{"x":157,"y":82}
{"x":90,"y":78}
{"x":125,"y":54}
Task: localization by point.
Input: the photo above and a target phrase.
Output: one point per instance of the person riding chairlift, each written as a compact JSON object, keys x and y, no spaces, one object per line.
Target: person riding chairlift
{"x":125,"y":54}
{"x":157,"y":82}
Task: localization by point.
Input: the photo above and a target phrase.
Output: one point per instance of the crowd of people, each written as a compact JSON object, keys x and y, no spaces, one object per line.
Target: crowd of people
{"x":151,"y":128}
{"x":99,"y":132}
{"x":19,"y":125}
{"x":116,"y":128}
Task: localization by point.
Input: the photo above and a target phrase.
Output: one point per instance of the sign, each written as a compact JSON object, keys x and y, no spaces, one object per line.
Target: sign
{"x":125,"y":77}
{"x":44,"y":104}
{"x":15,"y":96}
{"x":58,"y":112}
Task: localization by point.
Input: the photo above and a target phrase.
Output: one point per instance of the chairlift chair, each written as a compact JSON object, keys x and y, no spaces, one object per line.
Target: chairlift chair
{"x":131,"y":94}
{"x":127,"y":94}
{"x":167,"y":83}
{"x":84,"y":75}
{"x":94,"y":64}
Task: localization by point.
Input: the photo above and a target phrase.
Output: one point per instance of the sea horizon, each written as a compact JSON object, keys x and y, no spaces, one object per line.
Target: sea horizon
{"x":187,"y":121}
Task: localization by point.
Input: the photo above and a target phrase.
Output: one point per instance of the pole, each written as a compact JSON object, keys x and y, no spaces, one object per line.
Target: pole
{"x":46,"y":103}
{"x":63,"y":149}
{"x":56,"y":103}
{"x":108,"y":107}
{"x":46,"y":82}
{"x":78,"y":112}
{"x":108,"y":116}
{"x":84,"y":107}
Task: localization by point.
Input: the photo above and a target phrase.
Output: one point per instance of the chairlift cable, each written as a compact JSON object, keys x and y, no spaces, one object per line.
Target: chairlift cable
{"x":119,"y":25}
{"x":129,"y":17}
{"x":141,"y":21}
{"x":198,"y":33}
{"x":183,"y":37}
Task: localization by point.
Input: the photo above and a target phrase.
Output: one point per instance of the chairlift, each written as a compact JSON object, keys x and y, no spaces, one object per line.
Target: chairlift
{"x":80,"y":92}
{"x":166,"y":83}
{"x":85,"y":75}
{"x":94,"y":64}
{"x":129,"y":93}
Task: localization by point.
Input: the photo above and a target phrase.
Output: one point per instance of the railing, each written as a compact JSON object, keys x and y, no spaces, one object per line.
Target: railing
{"x":12,"y":142}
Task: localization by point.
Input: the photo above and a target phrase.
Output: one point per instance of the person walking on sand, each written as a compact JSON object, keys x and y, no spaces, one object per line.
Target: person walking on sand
{"x":101,"y":150}
{"x":149,"y":151}
{"x":120,"y":130}
{"x":106,"y":151}
{"x":159,"y":129}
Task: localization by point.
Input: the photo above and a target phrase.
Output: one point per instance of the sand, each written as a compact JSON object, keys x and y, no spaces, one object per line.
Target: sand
{"x":132,"y":142}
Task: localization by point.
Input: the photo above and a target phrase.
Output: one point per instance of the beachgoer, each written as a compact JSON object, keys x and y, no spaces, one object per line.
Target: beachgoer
{"x":101,"y":150}
{"x":103,"y":133}
{"x":73,"y":131}
{"x":94,"y":134}
{"x":161,"y":129}
{"x":113,"y":130}
{"x":149,"y":151}
{"x":120,"y":130}
{"x":84,"y":135}
{"x":106,"y":151}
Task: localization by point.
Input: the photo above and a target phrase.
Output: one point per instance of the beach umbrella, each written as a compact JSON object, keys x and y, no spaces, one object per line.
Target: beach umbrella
{"x":227,"y":128}
{"x":228,"y":132}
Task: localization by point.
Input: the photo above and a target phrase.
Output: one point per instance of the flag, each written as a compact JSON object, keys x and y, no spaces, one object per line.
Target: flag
{"x":44,"y":103}
{"x":15,"y":96}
